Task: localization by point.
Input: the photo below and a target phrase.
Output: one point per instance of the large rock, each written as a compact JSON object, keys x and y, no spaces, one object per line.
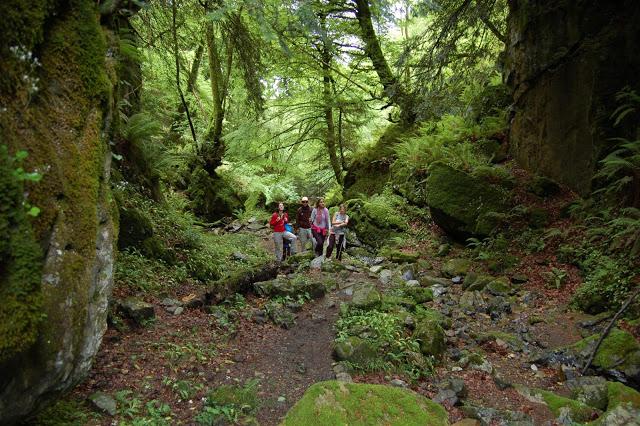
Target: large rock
{"x":65,"y":127}
{"x":337,"y":403}
{"x":355,"y":350}
{"x":365,"y":296}
{"x":462,"y":205}
{"x":431,"y":336}
{"x":565,"y":61}
{"x":375,"y":220}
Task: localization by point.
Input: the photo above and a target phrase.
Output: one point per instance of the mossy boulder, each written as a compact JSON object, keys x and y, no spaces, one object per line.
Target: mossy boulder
{"x":499,"y":287}
{"x":135,"y":227}
{"x":419,"y":294}
{"x":355,"y":350}
{"x":455,"y":267}
{"x":398,"y":256}
{"x":365,"y":296}
{"x":463,"y":205}
{"x":431,"y":336}
{"x":375,"y":220}
{"x":619,"y":352}
{"x":65,"y":127}
{"x":338,"y":403}
{"x":568,"y":409}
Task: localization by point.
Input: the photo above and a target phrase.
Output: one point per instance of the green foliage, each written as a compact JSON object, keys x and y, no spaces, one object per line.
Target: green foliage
{"x":21,"y":264}
{"x":66,"y":411}
{"x":387,"y":334}
{"x":232,"y":404}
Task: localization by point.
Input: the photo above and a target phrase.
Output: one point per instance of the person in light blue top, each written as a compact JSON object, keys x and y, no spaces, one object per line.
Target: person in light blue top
{"x":338,"y":231}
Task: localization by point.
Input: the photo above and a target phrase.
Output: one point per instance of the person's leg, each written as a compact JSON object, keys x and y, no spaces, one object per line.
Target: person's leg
{"x":303,"y":236}
{"x":340,"y":247}
{"x":285,"y":249}
{"x":316,"y":237}
{"x":332,"y":242}
{"x":320,"y":243}
{"x":292,"y":241}
{"x":277,"y":240}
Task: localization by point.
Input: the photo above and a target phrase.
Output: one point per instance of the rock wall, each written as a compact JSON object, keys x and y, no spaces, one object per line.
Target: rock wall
{"x":57,"y":73}
{"x":565,"y":61}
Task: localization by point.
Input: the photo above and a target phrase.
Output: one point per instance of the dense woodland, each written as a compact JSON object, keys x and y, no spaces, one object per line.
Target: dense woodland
{"x":487,"y":154}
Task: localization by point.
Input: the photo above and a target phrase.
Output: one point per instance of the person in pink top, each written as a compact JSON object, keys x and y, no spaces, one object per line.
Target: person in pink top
{"x":320,"y":225}
{"x":277,"y":222}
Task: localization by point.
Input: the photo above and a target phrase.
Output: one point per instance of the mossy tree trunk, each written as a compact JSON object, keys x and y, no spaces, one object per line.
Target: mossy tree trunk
{"x":330,"y":140}
{"x":394,"y":90}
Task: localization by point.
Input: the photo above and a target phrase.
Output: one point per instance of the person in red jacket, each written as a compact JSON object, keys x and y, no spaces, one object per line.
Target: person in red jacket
{"x":277,"y":222}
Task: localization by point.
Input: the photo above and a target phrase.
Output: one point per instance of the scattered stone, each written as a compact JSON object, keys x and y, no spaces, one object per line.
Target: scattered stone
{"x":451,"y":391}
{"x":317,"y":262}
{"x":408,"y":275}
{"x":191,"y":301}
{"x":280,"y":315}
{"x":413,"y":283}
{"x":455,"y":267}
{"x":490,"y":416}
{"x":255,"y":226}
{"x":138,"y":310}
{"x":240,"y":256}
{"x":386,"y":276}
{"x":104,"y":403}
{"x":178,"y":310}
{"x":499,"y":287}
{"x":259,"y":316}
{"x":282,"y":399}
{"x":428,"y":281}
{"x":519,"y":279}
{"x":420,"y":294}
{"x":376,"y":268}
{"x":344,"y":377}
{"x":365,"y":296}
{"x":457,"y":279}
{"x":170,"y":302}
{"x":438,"y":290}
{"x":473,"y":301}
{"x":447,"y":397}
{"x":399,"y":383}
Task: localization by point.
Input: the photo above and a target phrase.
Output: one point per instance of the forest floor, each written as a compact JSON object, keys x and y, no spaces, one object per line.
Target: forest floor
{"x":178,"y":359}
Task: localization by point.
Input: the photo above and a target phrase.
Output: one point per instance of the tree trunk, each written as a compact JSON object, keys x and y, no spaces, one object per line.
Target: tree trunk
{"x":213,"y":147}
{"x":330,"y":140}
{"x":392,"y":87}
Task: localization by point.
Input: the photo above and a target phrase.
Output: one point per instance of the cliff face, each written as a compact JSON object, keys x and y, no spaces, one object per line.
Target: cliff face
{"x":57,"y":75}
{"x":566,"y":59}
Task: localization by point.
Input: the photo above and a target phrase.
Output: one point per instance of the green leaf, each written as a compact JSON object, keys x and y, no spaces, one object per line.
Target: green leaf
{"x":21,"y":155}
{"x":34,"y":211}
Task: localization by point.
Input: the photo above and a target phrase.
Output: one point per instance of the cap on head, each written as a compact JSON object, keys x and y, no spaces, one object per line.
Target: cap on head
{"x":304,"y":199}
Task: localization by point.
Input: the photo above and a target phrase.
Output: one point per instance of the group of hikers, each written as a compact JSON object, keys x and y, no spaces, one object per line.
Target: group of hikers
{"x":313,"y":225}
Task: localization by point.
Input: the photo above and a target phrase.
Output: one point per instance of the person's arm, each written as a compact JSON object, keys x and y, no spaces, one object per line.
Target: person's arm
{"x":326,"y":210}
{"x":286,"y":217}
{"x":336,"y":222}
{"x":313,"y":216}
{"x":346,"y":220}
{"x":274,"y":220}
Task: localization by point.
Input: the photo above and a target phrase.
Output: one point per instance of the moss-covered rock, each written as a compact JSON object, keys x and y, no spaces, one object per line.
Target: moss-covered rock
{"x":619,"y":351}
{"x":462,"y":205}
{"x":455,"y":267}
{"x":398,"y":256}
{"x":499,"y":287}
{"x":568,"y":409}
{"x":365,"y":296}
{"x":337,"y":403}
{"x":375,"y":220}
{"x":135,"y":227}
{"x":64,"y":125}
{"x":419,"y":294}
{"x":355,"y":350}
{"x":431,"y":336}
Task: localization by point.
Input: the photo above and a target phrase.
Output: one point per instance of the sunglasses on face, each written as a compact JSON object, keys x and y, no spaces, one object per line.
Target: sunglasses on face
{"x":305,"y":202}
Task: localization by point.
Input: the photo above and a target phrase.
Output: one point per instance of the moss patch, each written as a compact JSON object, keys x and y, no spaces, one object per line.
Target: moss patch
{"x":335,"y":403}
{"x":461,"y":204}
{"x":377,"y":219}
{"x":561,"y":406}
{"x":617,"y":350}
{"x":20,"y":266}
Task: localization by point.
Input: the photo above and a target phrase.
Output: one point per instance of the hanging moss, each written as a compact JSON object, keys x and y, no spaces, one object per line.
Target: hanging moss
{"x":20,"y":266}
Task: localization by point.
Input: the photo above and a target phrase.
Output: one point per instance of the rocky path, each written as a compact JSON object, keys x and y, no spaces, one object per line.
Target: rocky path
{"x":496,"y":332}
